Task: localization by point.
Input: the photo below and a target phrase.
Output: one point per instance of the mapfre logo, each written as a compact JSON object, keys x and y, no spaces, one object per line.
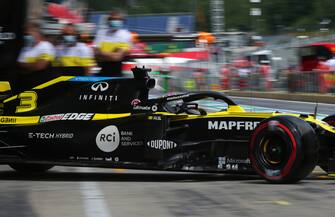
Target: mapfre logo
{"x":232,"y":125}
{"x":108,"y":139}
{"x":100,"y":86}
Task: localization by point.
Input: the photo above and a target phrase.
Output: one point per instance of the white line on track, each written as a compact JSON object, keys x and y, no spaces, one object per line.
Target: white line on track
{"x":94,"y":199}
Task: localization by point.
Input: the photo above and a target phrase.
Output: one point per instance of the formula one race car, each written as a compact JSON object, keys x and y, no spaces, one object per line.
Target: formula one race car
{"x":112,"y":122}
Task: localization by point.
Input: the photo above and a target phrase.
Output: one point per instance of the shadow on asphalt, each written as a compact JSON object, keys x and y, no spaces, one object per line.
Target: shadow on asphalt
{"x":313,"y":177}
{"x":125,"y":177}
{"x":143,"y":176}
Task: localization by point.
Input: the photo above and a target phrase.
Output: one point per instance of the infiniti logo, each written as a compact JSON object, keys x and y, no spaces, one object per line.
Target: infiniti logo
{"x":100,"y":86}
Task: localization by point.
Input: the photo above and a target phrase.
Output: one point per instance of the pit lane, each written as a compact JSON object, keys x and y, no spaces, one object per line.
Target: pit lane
{"x":94,"y":192}
{"x":111,"y":193}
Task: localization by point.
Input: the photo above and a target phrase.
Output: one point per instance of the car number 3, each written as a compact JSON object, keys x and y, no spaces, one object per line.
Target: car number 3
{"x":28,"y":101}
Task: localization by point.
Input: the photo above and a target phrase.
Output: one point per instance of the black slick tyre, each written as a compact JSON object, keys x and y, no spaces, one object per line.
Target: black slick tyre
{"x":283,"y":149}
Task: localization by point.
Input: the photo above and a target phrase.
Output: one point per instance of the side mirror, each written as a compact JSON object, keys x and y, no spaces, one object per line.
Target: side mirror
{"x":151,"y":83}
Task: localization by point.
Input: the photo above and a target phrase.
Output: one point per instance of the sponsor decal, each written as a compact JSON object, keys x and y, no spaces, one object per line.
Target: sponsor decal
{"x":48,"y":118}
{"x":127,"y":139}
{"x":126,"y":133}
{"x":97,"y":158}
{"x":146,"y":108}
{"x":116,"y":159}
{"x":231,"y":163}
{"x":157,"y":118}
{"x":177,"y":97}
{"x":162,"y":144}
{"x":89,"y":79}
{"x":78,"y":116}
{"x":154,"y":108}
{"x":232,"y":166}
{"x":135,"y":102}
{"x":100,"y":86}
{"x":98,"y":97}
{"x":232,"y":125}
{"x":238,"y":161}
{"x":50,"y":135}
{"x":93,"y":158}
{"x":131,"y":143}
{"x":136,"y":106}
{"x":82,"y":158}
{"x":7,"y":120}
{"x":67,"y":116}
{"x":108,"y":139}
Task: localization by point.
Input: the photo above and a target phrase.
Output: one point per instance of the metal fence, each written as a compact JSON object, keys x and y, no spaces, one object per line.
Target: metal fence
{"x":248,"y":80}
{"x":311,"y":82}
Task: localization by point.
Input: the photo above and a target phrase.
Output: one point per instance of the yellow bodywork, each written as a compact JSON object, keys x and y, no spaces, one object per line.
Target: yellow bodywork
{"x":239,"y":112}
{"x":44,"y":85}
{"x":18,"y":120}
{"x":232,"y":111}
{"x":4,"y":86}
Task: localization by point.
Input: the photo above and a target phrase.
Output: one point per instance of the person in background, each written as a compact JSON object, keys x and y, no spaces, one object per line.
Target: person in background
{"x":35,"y":58}
{"x":331,"y":64}
{"x":86,"y":38}
{"x":74,"y":55}
{"x":112,"y":45}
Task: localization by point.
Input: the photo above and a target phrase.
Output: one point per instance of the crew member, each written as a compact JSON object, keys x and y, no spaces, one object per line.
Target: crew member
{"x":73,"y":55}
{"x":35,"y":58}
{"x":112,"y":45}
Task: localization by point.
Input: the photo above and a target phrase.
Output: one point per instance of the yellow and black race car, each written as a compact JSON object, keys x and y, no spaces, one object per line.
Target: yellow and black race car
{"x":111,"y":122}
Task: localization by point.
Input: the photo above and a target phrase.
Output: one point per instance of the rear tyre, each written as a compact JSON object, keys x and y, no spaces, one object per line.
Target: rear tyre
{"x":30,"y":168}
{"x":283,"y":149}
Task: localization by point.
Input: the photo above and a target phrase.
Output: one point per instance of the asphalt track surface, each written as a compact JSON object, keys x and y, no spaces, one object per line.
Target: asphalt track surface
{"x":92,"y":192}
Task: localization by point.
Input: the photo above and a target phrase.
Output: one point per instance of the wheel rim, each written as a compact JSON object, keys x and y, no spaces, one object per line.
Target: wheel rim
{"x":273,"y":151}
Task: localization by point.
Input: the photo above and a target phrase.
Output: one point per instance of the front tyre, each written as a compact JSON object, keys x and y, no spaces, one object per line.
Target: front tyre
{"x":30,"y":168}
{"x":283,"y":149}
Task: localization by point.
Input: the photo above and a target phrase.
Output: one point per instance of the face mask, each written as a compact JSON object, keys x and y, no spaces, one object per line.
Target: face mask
{"x":29,"y":40}
{"x":115,"y":24}
{"x":69,"y":39}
